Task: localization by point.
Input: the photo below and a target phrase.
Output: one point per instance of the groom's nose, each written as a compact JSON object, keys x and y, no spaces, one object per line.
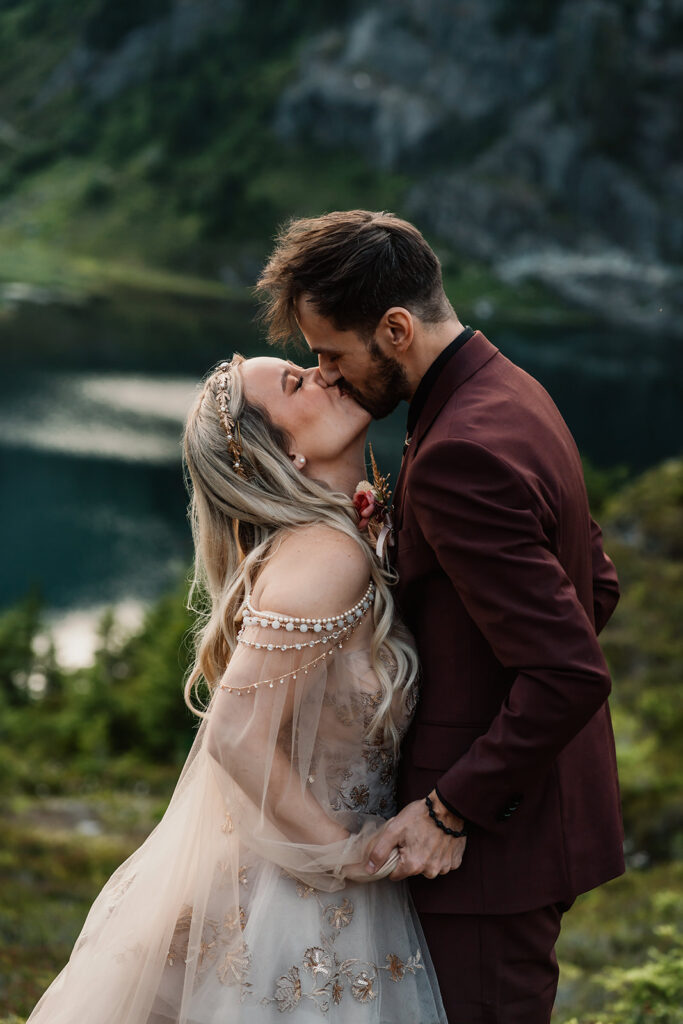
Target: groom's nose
{"x":328,"y":370}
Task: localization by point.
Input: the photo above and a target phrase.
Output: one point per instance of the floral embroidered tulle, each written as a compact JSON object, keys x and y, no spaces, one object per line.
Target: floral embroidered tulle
{"x":237,"y":907}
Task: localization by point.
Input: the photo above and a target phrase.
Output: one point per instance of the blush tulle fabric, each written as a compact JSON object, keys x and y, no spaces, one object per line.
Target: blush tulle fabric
{"x":235,"y":908}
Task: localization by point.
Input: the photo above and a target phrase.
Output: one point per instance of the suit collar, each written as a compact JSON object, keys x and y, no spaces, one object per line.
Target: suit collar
{"x":474,"y":354}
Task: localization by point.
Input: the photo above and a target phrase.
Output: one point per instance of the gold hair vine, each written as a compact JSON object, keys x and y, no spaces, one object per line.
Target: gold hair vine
{"x":231,"y":426}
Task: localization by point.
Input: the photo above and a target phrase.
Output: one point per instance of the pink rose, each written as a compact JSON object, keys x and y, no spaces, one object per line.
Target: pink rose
{"x":364,"y":503}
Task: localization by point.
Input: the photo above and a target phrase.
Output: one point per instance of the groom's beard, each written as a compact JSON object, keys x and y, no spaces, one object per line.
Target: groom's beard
{"x":387,"y":386}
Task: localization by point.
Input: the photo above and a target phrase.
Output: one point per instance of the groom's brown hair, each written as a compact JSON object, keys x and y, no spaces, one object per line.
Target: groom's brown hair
{"x":354,"y":265}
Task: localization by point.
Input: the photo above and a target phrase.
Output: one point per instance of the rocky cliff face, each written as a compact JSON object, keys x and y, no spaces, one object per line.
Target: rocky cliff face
{"x":104,"y":68}
{"x":545,"y":139}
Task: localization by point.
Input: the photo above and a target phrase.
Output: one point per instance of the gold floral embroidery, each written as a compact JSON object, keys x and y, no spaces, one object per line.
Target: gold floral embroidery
{"x":287,"y":991}
{"x":360,"y":795}
{"x":234,"y":966}
{"x":207,"y":950}
{"x":234,"y":918}
{"x":184,"y":918}
{"x":177,"y":949}
{"x":332,"y":976}
{"x":362,"y":987}
{"x":227,"y":825}
{"x":303,"y":890}
{"x":352,"y":789}
{"x":317,"y":961}
{"x":381,"y":761}
{"x":339,"y":916}
{"x":215,"y":937}
{"x":396,"y":967}
{"x":411,"y":698}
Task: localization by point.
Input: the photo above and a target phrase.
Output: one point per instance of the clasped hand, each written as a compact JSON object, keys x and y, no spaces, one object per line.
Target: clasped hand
{"x":424,"y":849}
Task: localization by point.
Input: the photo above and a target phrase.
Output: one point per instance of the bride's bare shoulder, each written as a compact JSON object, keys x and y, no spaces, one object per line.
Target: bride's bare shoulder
{"x":314,"y":570}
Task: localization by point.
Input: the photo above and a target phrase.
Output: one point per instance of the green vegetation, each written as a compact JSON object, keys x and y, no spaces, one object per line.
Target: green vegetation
{"x":104,"y":745}
{"x":180,"y":170}
{"x":644,"y":646}
{"x":178,"y":182}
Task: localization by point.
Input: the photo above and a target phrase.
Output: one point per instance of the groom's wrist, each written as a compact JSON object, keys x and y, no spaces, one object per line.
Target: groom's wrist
{"x":449,"y":807}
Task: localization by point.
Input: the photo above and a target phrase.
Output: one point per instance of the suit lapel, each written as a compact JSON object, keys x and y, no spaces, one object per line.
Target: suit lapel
{"x":474,"y":354}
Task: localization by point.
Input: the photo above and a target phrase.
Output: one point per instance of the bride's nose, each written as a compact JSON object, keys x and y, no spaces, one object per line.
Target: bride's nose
{"x":317,"y":378}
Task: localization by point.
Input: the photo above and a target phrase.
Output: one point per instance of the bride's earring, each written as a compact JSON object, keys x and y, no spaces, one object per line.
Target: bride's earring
{"x":298,"y":460}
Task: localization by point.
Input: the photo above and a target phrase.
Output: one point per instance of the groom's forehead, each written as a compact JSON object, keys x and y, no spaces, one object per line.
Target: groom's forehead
{"x":308,"y":317}
{"x":320,"y":333}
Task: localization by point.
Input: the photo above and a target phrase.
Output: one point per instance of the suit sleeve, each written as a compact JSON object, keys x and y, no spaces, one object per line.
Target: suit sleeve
{"x":605,"y":581}
{"x":482,"y":523}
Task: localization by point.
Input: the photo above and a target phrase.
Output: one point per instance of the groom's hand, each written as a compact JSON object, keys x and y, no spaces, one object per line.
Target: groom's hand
{"x":425,"y":849}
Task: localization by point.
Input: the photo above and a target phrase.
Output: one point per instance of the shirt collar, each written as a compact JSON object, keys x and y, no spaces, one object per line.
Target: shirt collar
{"x":421,"y":395}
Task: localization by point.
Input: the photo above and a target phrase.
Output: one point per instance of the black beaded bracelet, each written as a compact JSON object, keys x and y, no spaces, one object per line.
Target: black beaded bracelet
{"x":437,"y":821}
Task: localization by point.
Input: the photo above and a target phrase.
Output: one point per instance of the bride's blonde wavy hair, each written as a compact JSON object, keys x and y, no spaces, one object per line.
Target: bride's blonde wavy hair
{"x":236,"y":522}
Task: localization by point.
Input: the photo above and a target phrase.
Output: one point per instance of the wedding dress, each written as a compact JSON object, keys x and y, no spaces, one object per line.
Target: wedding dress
{"x":235,"y":909}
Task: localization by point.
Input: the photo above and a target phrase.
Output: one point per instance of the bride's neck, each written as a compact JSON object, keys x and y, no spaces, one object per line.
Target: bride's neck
{"x":342,"y":475}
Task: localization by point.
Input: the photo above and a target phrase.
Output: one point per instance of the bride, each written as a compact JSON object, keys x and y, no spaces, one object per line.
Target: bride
{"x":250,"y":899}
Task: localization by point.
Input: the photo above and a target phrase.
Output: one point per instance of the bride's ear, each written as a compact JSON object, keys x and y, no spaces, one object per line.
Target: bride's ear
{"x":299,"y":461}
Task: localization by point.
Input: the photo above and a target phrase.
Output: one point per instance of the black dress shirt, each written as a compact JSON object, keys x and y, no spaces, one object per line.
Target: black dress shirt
{"x":428,"y":381}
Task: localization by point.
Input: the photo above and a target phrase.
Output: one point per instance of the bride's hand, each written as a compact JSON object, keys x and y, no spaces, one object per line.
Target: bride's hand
{"x":358,"y":873}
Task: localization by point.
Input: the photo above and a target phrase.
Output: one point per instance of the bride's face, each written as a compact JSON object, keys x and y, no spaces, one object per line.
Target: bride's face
{"x":324,"y":423}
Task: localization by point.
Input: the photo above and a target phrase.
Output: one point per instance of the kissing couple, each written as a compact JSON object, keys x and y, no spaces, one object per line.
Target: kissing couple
{"x":404,"y":771}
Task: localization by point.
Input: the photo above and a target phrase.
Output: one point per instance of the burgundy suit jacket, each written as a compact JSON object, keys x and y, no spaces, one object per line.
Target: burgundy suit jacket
{"x":505,"y":585}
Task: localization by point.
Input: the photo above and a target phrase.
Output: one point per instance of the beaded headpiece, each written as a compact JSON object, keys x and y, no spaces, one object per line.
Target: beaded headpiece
{"x":231,"y":426}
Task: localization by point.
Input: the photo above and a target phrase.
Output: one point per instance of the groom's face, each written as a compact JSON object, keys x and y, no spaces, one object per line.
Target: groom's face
{"x":375,"y":380}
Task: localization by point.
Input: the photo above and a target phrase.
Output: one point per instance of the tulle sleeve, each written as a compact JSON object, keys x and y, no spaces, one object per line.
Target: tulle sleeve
{"x":189,"y":928}
{"x":274,"y":736}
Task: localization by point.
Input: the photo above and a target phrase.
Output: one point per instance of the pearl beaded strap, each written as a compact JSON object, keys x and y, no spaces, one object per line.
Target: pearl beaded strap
{"x":346,"y":624}
{"x":328,"y":622}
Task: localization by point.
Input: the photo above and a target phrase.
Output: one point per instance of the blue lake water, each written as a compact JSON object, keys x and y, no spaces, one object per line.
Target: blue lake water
{"x":92,"y":403}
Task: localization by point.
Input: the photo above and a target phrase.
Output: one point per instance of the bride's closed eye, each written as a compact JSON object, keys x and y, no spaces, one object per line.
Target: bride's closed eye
{"x":299,"y":383}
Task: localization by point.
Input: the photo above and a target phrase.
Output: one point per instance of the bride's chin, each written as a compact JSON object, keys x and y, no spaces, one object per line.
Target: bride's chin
{"x":364,"y":417}
{"x":358,"y":410}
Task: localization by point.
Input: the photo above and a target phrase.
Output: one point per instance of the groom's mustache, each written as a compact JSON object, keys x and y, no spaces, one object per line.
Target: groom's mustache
{"x":354,"y":393}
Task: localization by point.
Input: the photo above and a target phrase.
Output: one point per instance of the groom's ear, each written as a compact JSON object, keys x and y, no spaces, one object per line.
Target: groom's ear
{"x":396,"y":330}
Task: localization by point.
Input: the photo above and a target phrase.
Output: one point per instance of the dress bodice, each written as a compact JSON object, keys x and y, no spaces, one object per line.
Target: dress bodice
{"x":353,"y":765}
{"x":359,"y":763}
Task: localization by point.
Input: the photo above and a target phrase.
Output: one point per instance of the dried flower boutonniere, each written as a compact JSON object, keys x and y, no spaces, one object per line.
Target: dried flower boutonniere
{"x":372,"y":502}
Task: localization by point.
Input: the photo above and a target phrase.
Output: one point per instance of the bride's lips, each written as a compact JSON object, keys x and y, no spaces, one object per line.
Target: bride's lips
{"x":348,"y":395}
{"x":343,"y":393}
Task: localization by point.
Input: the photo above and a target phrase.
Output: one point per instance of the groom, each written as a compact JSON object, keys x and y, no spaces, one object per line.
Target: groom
{"x":505,"y":585}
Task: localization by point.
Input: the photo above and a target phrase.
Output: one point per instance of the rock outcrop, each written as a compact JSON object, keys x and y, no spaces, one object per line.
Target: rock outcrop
{"x":543,"y":139}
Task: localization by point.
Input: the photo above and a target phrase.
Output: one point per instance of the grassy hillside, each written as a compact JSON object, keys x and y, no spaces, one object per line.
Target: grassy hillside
{"x":178,"y":169}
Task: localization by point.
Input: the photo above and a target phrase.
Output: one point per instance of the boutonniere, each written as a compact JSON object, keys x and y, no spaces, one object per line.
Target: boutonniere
{"x":372,"y":502}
